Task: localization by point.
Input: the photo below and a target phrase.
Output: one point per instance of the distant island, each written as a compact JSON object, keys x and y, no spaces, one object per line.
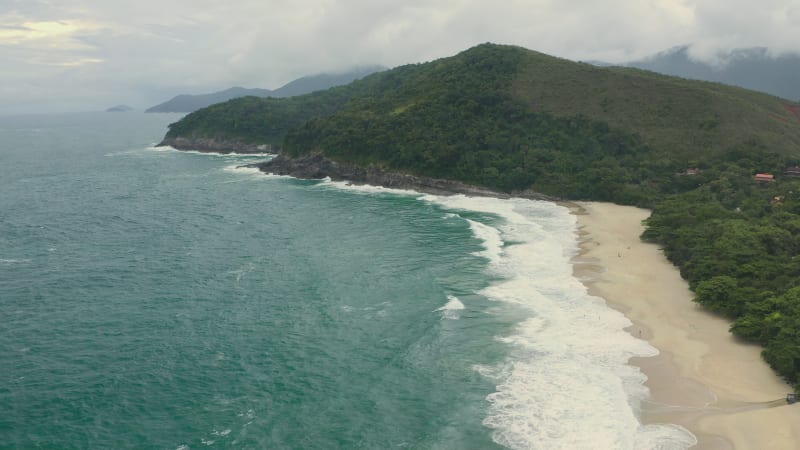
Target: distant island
{"x":120,"y":108}
{"x":188,"y":103}
{"x":717,"y":164}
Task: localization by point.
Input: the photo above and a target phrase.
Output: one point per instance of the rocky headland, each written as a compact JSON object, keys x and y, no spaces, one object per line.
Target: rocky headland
{"x":318,"y":166}
{"x":211,"y":145}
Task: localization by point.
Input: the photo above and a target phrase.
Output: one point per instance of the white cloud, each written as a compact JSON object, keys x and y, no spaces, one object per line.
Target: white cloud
{"x":721,"y":26}
{"x":144,"y":51}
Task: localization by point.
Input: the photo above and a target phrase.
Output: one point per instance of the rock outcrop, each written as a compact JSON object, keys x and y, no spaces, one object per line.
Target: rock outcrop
{"x":318,"y":167}
{"x":210,"y":145}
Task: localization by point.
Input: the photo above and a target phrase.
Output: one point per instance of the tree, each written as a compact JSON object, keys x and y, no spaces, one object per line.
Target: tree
{"x":718,"y":294}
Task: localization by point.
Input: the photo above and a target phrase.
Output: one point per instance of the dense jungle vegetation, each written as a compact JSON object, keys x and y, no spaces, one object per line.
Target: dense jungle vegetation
{"x":737,"y":243}
{"x":512,"y":119}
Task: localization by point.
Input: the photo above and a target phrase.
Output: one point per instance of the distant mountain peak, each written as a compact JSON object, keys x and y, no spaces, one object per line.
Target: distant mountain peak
{"x":752,"y":68}
{"x":304,"y":85}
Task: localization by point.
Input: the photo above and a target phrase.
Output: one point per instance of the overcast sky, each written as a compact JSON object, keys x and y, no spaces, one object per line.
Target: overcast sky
{"x":77,"y":55}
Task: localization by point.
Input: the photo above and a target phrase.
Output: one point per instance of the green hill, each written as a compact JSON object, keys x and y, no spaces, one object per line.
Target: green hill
{"x":512,"y":119}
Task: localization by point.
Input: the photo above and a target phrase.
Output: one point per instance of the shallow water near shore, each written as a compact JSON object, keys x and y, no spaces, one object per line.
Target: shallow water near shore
{"x":157,"y":298}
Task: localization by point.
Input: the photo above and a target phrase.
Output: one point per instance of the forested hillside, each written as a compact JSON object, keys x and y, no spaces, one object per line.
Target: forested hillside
{"x":511,"y":119}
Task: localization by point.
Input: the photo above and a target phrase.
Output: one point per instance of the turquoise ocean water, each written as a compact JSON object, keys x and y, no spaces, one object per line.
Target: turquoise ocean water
{"x":151,"y":298}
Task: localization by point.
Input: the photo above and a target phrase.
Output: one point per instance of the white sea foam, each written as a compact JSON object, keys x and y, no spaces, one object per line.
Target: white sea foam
{"x":14,"y":261}
{"x":491,"y":241}
{"x":270,"y":175}
{"x":168,"y":148}
{"x":250,"y":414}
{"x":243,"y":170}
{"x":664,"y":437}
{"x":244,"y":155}
{"x":163,"y":148}
{"x":451,"y":309}
{"x":367,"y":189}
{"x":567,"y":383}
{"x":253,"y":173}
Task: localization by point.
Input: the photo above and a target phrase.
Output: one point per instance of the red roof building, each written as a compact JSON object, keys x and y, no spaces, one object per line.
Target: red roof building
{"x":764,"y":177}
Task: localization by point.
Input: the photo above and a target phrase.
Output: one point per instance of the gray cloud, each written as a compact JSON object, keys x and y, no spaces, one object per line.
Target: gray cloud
{"x":90,"y":54}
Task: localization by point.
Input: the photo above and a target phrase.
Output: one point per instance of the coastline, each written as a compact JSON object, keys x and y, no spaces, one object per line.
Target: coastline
{"x":219,"y":146}
{"x":704,"y":379}
{"x":317,"y":166}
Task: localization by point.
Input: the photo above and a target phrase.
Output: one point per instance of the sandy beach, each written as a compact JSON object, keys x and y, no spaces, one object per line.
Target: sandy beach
{"x":704,"y":379}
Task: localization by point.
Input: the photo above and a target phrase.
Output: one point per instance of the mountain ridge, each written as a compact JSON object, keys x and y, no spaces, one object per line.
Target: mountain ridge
{"x":191,"y":102}
{"x":751,"y":68}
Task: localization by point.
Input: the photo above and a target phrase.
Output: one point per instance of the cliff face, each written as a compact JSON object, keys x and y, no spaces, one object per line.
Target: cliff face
{"x":317,"y":167}
{"x":210,"y":145}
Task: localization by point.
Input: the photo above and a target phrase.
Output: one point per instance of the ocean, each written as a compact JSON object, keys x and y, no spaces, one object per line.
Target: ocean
{"x":153,"y":298}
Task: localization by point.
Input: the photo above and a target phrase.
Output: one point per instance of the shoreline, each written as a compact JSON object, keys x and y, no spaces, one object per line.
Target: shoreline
{"x":317,"y":166}
{"x":222,"y":147}
{"x":704,"y":379}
